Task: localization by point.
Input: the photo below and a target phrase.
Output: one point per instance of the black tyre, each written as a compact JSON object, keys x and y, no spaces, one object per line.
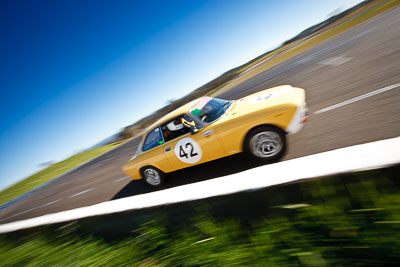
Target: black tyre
{"x":153,"y":176}
{"x":265,"y":143}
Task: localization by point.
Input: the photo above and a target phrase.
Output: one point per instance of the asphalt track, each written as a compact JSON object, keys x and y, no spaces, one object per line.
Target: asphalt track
{"x":359,"y":61}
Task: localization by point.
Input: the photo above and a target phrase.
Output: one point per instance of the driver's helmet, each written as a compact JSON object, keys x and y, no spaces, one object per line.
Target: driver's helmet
{"x":175,"y":125}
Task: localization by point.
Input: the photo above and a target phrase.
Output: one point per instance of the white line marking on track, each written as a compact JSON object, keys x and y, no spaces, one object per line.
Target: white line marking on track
{"x":48,"y":204}
{"x":358,"y":98}
{"x":80,"y":193}
{"x":335,"y":61}
{"x":26,"y":211}
{"x":121,"y":179}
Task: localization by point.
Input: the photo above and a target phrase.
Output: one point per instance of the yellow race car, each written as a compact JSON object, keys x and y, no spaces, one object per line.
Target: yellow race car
{"x":210,"y":128}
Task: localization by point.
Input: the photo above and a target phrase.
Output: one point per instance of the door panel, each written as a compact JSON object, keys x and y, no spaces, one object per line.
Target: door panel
{"x":193,"y":149}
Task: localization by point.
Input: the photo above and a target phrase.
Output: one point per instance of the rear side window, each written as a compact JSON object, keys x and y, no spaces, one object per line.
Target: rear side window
{"x":153,"y":139}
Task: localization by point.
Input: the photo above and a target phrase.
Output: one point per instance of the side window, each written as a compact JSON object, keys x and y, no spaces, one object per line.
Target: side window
{"x":153,"y":139}
{"x":174,"y":128}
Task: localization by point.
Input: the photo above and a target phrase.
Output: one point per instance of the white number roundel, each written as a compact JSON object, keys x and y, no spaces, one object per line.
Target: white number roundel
{"x":188,"y":151}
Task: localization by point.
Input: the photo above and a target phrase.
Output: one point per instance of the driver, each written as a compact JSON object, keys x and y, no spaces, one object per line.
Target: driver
{"x":175,"y":125}
{"x":175,"y":129}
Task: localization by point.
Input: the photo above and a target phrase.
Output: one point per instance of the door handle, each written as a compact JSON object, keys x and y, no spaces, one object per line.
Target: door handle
{"x":168,"y":149}
{"x":208,"y":132}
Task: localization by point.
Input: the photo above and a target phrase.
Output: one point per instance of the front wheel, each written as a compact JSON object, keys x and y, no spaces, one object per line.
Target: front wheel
{"x":153,"y":176}
{"x":266,"y":143}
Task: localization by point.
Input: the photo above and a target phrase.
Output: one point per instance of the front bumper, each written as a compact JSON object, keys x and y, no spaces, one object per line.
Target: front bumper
{"x":298,"y":120}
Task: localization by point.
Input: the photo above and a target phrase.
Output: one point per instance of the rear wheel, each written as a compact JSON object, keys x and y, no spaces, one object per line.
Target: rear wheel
{"x":265,"y":143}
{"x":153,"y":176}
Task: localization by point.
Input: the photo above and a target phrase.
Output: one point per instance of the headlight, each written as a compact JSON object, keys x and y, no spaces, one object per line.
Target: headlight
{"x":133,"y":157}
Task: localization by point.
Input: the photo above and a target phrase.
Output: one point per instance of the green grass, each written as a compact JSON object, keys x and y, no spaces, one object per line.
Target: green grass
{"x":51,"y":172}
{"x":345,"y":220}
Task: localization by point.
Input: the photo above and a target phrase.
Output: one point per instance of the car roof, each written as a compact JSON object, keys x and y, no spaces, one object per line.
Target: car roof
{"x":181,"y":110}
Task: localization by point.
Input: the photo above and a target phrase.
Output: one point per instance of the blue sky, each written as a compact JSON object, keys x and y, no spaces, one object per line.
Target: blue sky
{"x":76,"y":72}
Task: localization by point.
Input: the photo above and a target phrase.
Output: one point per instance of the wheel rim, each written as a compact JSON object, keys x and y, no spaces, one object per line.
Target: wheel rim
{"x":266,"y":144}
{"x":152,"y":177}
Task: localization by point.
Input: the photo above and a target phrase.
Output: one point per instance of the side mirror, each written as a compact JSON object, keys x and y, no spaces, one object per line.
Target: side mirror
{"x":193,"y":129}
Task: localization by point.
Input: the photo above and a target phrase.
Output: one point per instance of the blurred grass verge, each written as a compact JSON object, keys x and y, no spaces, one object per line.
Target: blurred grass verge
{"x":51,"y":172}
{"x":342,"y":220}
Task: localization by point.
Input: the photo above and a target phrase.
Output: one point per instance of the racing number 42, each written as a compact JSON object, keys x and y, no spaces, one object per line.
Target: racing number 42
{"x":183,"y":153}
{"x":188,"y":151}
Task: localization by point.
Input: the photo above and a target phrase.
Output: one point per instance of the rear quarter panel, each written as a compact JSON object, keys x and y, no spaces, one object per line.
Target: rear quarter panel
{"x":153,"y":157}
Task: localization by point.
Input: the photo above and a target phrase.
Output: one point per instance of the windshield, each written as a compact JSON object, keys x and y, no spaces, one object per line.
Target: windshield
{"x":209,"y":109}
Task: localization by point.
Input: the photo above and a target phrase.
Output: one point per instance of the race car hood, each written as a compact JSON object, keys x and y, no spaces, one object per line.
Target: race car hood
{"x":268,"y":98}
